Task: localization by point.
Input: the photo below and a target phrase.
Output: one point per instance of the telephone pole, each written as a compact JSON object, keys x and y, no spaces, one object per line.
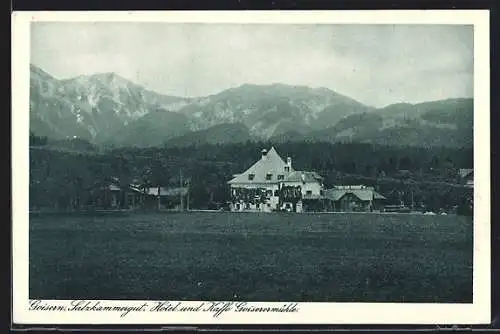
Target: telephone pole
{"x":187,"y":193}
{"x":159,"y":198}
{"x":180,"y":192}
{"x":412,"y":200}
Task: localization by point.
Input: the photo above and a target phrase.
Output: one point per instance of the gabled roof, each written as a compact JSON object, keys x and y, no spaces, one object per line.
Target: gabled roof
{"x":135,"y":187}
{"x":302,"y":176}
{"x":376,"y":195}
{"x":153,"y":191}
{"x":269,"y":163}
{"x":464,"y":172}
{"x":113,"y":187}
{"x":366,"y":194}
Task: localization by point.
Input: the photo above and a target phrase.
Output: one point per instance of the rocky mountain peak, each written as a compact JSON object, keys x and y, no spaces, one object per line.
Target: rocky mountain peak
{"x":106,"y":107}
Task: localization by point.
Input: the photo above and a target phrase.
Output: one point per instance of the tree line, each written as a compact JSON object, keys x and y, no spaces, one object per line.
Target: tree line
{"x":424,"y":176}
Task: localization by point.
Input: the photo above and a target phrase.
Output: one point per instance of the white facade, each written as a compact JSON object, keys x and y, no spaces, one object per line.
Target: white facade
{"x":269,"y":174}
{"x":269,"y":205}
{"x":307,"y":188}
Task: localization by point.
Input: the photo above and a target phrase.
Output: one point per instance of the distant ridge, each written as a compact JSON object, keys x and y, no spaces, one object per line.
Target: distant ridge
{"x":217,"y":134}
{"x":106,"y":108}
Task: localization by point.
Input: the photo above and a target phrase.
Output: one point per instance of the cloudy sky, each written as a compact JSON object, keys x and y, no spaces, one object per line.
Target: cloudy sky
{"x":374,"y":64}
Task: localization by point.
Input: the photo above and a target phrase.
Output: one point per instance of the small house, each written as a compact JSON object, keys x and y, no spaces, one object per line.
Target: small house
{"x":357,"y":198}
{"x":466,"y":177}
{"x":106,"y":196}
{"x":157,"y":197}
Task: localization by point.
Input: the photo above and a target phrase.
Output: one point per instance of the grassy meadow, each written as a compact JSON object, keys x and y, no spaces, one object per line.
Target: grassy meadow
{"x":252,"y":257}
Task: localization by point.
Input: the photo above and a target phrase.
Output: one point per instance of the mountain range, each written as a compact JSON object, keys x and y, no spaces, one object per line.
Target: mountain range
{"x":109,"y":109}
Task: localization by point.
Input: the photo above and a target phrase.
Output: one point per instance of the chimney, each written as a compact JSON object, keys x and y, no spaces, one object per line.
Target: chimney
{"x":264,"y":153}
{"x":288,"y":165}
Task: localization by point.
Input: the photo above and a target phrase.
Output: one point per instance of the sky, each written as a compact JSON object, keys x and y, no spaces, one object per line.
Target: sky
{"x":375,"y":64}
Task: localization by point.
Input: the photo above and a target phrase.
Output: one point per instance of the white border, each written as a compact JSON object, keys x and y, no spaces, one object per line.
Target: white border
{"x":310,"y":313}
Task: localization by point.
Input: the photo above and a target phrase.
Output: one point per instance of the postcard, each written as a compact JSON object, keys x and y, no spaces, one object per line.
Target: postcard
{"x":251,"y":167}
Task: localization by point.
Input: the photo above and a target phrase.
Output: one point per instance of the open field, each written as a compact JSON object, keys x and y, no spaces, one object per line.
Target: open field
{"x":253,"y":257}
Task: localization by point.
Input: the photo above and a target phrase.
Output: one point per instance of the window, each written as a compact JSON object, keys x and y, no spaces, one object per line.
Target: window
{"x":309,"y":192}
{"x":251,"y":176}
{"x":269,"y":176}
{"x":276,"y":193}
{"x":281,"y":177}
{"x":287,"y":169}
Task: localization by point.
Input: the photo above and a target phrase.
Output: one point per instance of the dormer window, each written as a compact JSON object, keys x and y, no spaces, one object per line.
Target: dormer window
{"x":269,"y":176}
{"x":281,"y":177}
{"x":287,"y":169}
{"x":251,"y":176}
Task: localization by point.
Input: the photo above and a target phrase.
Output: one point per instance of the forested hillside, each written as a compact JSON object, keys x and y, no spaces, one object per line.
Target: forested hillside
{"x":63,"y":175}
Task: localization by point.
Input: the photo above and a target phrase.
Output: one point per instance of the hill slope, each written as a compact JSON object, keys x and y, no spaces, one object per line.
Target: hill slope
{"x":217,"y":134}
{"x":108,"y":109}
{"x":272,"y":109}
{"x":92,"y":107}
{"x":437,"y":123}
